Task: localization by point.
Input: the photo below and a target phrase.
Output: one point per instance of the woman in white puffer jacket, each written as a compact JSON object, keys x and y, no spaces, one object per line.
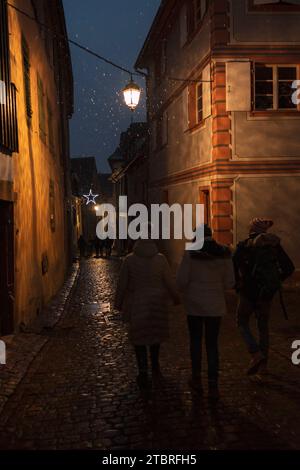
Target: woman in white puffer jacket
{"x":203,"y":276}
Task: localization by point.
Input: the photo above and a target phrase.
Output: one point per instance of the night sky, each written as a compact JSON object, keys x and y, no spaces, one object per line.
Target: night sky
{"x":115,"y":29}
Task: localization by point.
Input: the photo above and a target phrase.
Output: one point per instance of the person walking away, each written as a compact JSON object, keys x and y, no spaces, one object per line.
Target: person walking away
{"x":145,"y":282}
{"x":101,"y":247}
{"x":108,"y":247}
{"x":97,"y":244}
{"x":82,"y":246}
{"x":203,"y":276}
{"x":261,"y":265}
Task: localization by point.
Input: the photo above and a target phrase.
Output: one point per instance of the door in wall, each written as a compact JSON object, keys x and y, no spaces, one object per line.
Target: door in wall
{"x":204,"y":198}
{"x":6,"y":268}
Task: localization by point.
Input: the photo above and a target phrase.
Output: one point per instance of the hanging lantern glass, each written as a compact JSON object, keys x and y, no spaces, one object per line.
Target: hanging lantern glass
{"x":132,"y":93}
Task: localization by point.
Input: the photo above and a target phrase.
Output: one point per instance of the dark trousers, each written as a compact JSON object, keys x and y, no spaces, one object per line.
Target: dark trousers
{"x":141,"y":353}
{"x":211,"y":325}
{"x":261,"y":309}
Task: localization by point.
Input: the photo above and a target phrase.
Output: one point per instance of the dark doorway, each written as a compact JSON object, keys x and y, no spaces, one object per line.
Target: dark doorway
{"x":205,"y":200}
{"x":6,"y":268}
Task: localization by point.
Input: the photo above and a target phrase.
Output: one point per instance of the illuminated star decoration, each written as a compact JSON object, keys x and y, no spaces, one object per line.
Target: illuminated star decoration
{"x":90,"y":198}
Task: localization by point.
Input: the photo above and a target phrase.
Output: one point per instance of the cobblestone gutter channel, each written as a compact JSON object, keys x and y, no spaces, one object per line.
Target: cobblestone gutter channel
{"x":23,"y":347}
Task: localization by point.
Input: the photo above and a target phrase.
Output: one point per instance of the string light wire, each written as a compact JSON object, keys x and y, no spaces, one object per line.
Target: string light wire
{"x":86,"y":49}
{"x":75,"y":43}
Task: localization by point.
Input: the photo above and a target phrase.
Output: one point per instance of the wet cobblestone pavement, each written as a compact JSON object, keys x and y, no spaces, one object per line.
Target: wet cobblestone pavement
{"x":80,"y":390}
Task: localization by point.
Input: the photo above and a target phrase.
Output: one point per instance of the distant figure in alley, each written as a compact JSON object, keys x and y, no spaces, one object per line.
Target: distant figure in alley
{"x":144,"y":286}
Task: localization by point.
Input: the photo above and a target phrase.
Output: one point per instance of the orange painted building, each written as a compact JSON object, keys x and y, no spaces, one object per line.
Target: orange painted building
{"x":35,"y":196}
{"x":224,"y":129}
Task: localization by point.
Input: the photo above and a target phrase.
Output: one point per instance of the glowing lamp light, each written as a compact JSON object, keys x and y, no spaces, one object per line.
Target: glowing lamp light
{"x":132,"y":94}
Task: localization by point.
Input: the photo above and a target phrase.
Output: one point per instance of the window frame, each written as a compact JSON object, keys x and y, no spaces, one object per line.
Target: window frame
{"x":194,"y":121}
{"x":275,"y":82}
{"x":27,"y":79}
{"x":272,"y":7}
{"x":194,"y":22}
{"x":9,"y":139}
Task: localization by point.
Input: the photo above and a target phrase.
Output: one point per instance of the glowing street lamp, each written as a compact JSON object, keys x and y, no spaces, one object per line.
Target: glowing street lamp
{"x":132,"y":94}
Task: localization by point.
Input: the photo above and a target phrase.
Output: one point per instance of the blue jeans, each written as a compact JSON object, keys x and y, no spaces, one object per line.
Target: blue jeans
{"x":261,"y":310}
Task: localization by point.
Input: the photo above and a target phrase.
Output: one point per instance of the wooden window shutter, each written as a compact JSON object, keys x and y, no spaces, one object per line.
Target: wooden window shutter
{"x":206,"y":77}
{"x":26,"y":75}
{"x":192,"y":105}
{"x":185,"y":107}
{"x":238,"y":86}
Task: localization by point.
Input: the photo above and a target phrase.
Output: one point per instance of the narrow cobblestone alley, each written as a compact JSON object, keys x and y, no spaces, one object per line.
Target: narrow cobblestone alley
{"x":80,"y":391}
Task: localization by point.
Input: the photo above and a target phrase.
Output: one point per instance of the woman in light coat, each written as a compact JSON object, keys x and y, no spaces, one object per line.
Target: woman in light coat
{"x":203,"y":276}
{"x":144,"y":284}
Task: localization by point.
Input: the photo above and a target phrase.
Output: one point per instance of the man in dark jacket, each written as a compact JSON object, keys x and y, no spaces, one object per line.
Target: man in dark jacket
{"x":261,"y":265}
